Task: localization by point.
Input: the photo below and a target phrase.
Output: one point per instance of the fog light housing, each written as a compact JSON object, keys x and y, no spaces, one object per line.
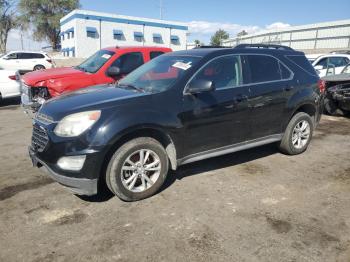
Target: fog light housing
{"x":71,"y":163}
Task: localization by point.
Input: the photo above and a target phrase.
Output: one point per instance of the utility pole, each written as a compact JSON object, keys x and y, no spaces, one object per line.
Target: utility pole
{"x":161,"y":9}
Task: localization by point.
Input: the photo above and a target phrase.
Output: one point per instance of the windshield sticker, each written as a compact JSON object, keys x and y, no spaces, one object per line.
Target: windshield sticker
{"x":106,"y":56}
{"x":182,"y":65}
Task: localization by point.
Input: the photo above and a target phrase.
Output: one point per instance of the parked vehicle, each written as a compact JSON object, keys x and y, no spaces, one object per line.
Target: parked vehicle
{"x":179,"y":108}
{"x":312,"y":57}
{"x":9,"y":84}
{"x":100,"y":68}
{"x":331,"y":64}
{"x":25,"y":61}
{"x":337,"y":100}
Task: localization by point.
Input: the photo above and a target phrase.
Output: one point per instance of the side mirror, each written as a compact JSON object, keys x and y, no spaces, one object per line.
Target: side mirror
{"x":200,"y":86}
{"x":318,"y":67}
{"x":113,"y":71}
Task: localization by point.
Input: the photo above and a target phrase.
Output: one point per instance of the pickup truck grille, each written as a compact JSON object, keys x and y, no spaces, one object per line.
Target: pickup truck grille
{"x":40,"y":138}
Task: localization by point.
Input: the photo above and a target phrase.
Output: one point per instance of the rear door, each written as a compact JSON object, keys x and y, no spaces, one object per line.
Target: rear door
{"x":217,"y":118}
{"x":270,"y":83}
{"x":10,"y":61}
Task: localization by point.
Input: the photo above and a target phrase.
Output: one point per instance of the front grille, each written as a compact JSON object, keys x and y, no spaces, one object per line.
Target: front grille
{"x":39,"y":138}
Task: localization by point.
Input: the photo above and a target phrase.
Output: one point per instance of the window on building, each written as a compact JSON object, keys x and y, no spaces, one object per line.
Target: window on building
{"x":154,"y":54}
{"x":157,"y":38}
{"x":62,"y":37}
{"x":118,"y":35}
{"x":138,"y":36}
{"x":129,"y":62}
{"x":261,"y":68}
{"x":175,"y":40}
{"x":68,"y":35}
{"x":72,"y":34}
{"x":224,"y":72}
{"x":91,"y":32}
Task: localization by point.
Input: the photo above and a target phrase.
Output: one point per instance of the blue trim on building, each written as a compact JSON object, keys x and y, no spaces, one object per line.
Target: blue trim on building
{"x":69,"y":30}
{"x":122,"y":20}
{"x":118,"y":32}
{"x":138,"y":34}
{"x":155,"y":35}
{"x":91,"y":29}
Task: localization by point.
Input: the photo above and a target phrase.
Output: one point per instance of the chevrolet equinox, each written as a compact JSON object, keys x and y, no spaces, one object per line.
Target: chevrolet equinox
{"x":179,"y":108}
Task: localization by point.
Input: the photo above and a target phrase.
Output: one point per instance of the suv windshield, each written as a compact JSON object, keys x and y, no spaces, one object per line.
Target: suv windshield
{"x":159,"y":74}
{"x":96,"y":61}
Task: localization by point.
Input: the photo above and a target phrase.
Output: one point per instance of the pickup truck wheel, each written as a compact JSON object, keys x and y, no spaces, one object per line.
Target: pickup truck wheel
{"x":39,"y":67}
{"x":137,"y":169}
{"x":298,"y":134}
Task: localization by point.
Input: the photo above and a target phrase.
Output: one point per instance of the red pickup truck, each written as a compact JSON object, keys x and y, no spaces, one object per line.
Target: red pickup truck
{"x":106,"y":66}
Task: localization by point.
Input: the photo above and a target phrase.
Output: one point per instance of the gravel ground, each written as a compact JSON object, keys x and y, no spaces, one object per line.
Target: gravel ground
{"x":256,"y":205}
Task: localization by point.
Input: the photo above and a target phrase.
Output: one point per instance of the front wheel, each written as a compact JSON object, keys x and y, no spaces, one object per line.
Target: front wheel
{"x":298,"y":134}
{"x":137,"y":169}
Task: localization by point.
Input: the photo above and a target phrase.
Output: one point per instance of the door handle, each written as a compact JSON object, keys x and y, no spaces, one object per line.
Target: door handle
{"x":289,"y":88}
{"x":240,"y":98}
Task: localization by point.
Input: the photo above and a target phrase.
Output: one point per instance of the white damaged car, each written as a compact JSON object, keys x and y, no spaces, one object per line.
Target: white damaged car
{"x":9,"y":84}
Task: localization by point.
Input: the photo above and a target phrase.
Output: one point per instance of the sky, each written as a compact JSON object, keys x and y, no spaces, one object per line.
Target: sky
{"x":204,"y":17}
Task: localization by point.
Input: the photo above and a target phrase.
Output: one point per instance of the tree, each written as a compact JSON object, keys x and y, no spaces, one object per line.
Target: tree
{"x":198,"y":43}
{"x":44,"y":16}
{"x":218,"y":37}
{"x":242,"y":33}
{"x":7,"y":22}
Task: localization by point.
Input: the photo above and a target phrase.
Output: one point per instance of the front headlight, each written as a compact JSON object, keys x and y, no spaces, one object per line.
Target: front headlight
{"x":76,"y":124}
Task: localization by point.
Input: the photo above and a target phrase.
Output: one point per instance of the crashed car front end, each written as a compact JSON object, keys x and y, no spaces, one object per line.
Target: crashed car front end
{"x":340,"y":93}
{"x":32,"y":98}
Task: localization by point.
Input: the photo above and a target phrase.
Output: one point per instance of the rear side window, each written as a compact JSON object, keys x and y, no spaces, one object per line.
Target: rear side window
{"x":154,"y":54}
{"x":129,"y":62}
{"x":262,"y":68}
{"x":30,"y":56}
{"x":301,"y":62}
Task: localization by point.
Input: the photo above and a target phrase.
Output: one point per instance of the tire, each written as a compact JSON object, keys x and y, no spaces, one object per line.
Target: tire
{"x":125,"y":165}
{"x":39,"y":67}
{"x":331,"y":108}
{"x":288,"y":144}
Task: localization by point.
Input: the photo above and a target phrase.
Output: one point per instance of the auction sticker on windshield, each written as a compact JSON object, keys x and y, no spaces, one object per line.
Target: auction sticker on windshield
{"x":182,"y":65}
{"x":106,"y":56}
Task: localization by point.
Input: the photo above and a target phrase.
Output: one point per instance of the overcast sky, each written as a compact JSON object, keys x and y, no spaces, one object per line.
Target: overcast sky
{"x":206,"y":16}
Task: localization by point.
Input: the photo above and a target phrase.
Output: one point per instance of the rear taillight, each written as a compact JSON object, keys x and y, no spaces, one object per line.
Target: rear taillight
{"x":13,"y":77}
{"x":322,"y":86}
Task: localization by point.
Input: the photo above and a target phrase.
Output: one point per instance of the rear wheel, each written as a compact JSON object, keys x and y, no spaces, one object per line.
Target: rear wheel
{"x":298,"y":134}
{"x":137,"y":169}
{"x":39,"y":67}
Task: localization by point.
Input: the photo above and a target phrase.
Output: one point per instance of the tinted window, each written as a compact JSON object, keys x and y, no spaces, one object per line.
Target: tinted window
{"x":129,"y":62}
{"x":302,"y":63}
{"x":154,"y":54}
{"x":338,"y":61}
{"x":224,"y":72}
{"x":91,"y":34}
{"x":323,"y":63}
{"x":285,"y":72}
{"x":30,"y":56}
{"x":262,"y":68}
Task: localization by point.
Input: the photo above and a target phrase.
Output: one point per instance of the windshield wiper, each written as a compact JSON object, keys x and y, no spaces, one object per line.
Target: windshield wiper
{"x":132,"y":87}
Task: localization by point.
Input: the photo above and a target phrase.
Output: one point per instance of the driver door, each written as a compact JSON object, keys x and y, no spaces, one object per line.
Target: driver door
{"x":218,"y":118}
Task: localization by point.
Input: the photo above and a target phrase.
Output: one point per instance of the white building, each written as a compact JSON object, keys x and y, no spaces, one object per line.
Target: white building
{"x":85,"y":32}
{"x":321,"y":36}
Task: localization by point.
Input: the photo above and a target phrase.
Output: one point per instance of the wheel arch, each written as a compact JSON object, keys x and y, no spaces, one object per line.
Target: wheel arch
{"x":160,"y":135}
{"x":308,"y":108}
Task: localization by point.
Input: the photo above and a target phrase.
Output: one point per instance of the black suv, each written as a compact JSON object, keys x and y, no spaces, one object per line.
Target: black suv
{"x":179,"y":108}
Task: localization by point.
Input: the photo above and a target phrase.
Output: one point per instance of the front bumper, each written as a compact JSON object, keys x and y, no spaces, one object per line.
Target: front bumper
{"x":80,"y":186}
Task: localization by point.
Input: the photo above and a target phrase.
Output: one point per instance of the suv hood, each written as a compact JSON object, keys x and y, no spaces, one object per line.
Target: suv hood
{"x":38,"y":76}
{"x":91,"y":98}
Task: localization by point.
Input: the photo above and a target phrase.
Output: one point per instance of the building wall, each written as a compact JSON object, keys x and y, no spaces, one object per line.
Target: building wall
{"x":105,"y":26}
{"x":329,"y":35}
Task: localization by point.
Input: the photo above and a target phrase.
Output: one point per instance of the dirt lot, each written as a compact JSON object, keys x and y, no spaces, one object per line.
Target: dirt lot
{"x":256,"y":205}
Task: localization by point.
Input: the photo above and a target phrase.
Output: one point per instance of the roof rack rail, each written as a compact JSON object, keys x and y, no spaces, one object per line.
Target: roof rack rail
{"x":268,"y":46}
{"x":211,"y":46}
